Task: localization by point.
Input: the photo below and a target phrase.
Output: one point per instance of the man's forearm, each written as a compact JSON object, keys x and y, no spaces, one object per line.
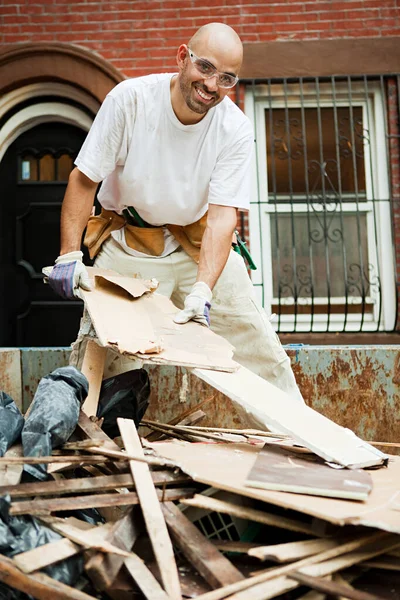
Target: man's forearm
{"x":76,"y":209}
{"x":216,"y":245}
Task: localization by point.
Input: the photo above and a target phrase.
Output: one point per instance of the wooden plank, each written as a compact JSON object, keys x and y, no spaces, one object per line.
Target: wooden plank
{"x":10,"y":474}
{"x":57,"y":458}
{"x":200,"y":552}
{"x":145,"y":580}
{"x":263,"y":577}
{"x":89,"y":429}
{"x":87,"y":539}
{"x":278,"y":468}
{"x":92,"y":368}
{"x":270,"y":589}
{"x":242,"y":512}
{"x":45,"y":506}
{"x":82,"y":485}
{"x":272,"y":408}
{"x":232,"y":546}
{"x":389,"y":563}
{"x":103,"y":568}
{"x":283,"y":553}
{"x":92,"y":431}
{"x":38,"y":585}
{"x":181,"y":418}
{"x":119,"y":455}
{"x":48,"y":554}
{"x":332,"y":588}
{"x":151,"y":510}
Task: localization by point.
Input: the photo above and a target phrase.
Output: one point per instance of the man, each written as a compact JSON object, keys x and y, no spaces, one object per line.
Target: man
{"x":178,"y":150}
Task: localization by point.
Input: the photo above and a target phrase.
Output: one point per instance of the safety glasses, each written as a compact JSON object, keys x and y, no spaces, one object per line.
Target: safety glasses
{"x":207,"y":70}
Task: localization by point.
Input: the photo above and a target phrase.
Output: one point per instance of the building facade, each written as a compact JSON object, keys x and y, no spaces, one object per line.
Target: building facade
{"x":320,"y":82}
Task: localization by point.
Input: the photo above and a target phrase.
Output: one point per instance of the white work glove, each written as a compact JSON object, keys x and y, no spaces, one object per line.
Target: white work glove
{"x":68,"y":275}
{"x":197,"y":305}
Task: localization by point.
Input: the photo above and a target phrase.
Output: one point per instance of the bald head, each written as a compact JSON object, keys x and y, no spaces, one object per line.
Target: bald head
{"x":219,"y":43}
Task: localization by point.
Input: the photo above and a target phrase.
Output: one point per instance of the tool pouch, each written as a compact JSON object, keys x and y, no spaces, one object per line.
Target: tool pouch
{"x":149,"y":240}
{"x":99,"y":229}
{"x":190,"y":236}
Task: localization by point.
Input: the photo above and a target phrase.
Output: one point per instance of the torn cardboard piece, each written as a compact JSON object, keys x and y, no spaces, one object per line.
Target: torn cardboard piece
{"x":133,"y":320}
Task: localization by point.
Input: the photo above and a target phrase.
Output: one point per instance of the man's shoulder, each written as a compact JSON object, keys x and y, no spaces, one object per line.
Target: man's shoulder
{"x":134,"y":85}
{"x":231,"y":117}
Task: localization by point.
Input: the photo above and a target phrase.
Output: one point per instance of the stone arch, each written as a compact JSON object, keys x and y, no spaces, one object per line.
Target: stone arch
{"x":24,"y":64}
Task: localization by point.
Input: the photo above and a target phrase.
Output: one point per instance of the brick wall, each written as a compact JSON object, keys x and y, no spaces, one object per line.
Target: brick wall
{"x":140,"y":36}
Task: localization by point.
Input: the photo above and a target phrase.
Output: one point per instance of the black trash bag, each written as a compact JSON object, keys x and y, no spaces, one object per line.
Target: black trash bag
{"x":53,"y":416}
{"x":23,"y":533}
{"x":11,"y":422}
{"x":126,"y":396}
{"x":7,"y":593}
{"x":89,"y":515}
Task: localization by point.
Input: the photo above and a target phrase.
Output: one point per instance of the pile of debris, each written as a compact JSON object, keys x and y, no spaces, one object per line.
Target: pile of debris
{"x":185,"y":512}
{"x":91,"y":509}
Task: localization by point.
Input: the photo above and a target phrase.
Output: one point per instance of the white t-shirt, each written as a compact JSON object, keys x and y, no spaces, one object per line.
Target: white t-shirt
{"x":169,"y":172}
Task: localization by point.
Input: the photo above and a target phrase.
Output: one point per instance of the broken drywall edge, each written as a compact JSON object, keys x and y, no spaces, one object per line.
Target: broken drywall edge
{"x":274,"y":409}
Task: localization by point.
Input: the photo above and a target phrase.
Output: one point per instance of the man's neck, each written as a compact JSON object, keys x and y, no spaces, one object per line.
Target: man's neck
{"x":179,"y":106}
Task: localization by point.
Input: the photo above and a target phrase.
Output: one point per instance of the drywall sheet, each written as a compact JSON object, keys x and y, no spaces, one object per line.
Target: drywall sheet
{"x":271,"y":408}
{"x":133,"y":320}
{"x":226,"y":467}
{"x":283,"y":470}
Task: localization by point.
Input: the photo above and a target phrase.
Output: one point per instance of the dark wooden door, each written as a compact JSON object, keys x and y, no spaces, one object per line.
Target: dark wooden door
{"x":33,"y":176}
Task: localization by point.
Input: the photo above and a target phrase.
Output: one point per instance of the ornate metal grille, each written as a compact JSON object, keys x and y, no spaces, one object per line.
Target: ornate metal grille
{"x":325,"y":203}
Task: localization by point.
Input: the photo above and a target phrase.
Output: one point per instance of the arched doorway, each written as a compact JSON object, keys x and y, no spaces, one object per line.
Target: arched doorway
{"x":49,"y":95}
{"x":34,"y":173}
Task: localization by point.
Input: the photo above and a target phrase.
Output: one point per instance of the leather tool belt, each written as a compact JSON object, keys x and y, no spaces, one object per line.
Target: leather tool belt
{"x":149,"y":240}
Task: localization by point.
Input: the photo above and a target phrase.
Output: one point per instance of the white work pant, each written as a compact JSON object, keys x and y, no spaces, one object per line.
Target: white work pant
{"x":235,"y":313}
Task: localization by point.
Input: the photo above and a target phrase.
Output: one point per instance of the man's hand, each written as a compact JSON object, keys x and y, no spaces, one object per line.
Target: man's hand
{"x":197,"y":305}
{"x":68,"y":275}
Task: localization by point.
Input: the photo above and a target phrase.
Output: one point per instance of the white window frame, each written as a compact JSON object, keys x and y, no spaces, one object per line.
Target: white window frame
{"x":257,"y":100}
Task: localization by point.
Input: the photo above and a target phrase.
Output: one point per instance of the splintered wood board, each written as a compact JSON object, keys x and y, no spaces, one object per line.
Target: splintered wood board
{"x":282,"y":470}
{"x":129,"y":318}
{"x":226,"y":467}
{"x":152,"y":513}
{"x":270,"y":407}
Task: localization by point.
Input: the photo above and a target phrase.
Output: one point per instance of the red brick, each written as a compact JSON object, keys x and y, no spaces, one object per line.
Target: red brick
{"x":290,"y":27}
{"x":10,"y":9}
{"x":34,"y":29}
{"x":224,"y":11}
{"x":13,"y":19}
{"x":44,"y":19}
{"x":273,"y":19}
{"x":12,"y":29}
{"x":193,"y":13}
{"x":391,"y":31}
{"x":319,"y":26}
{"x":117,"y":26}
{"x":16,"y":38}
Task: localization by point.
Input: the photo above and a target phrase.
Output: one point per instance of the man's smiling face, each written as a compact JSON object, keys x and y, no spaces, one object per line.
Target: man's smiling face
{"x":201,"y":93}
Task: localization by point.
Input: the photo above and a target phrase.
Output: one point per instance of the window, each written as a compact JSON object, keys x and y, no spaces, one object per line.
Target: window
{"x":320,"y":221}
{"x":42,"y":167}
